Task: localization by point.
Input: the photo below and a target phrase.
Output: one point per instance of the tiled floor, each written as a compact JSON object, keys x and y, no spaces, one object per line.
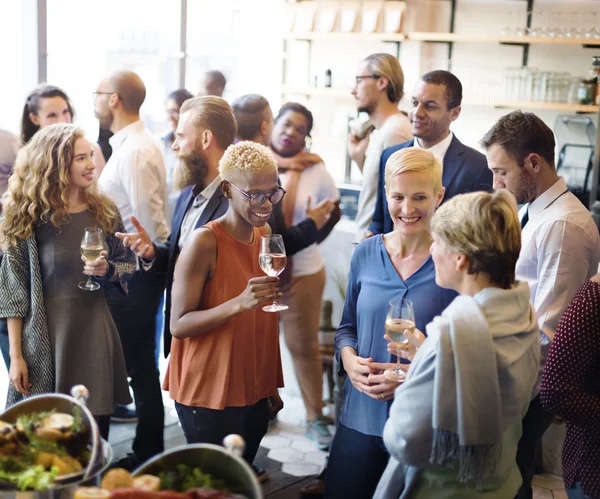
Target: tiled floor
{"x":285,"y":442}
{"x":548,"y":487}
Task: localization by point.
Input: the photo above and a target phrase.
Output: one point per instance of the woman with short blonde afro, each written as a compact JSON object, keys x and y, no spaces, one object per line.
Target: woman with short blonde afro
{"x":225,"y":363}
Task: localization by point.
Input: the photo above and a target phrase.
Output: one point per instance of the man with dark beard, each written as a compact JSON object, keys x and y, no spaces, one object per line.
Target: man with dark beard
{"x":135,"y":180}
{"x":560,"y":244}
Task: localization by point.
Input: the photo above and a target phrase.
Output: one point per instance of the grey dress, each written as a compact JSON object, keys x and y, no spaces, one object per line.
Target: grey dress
{"x":84,"y":340}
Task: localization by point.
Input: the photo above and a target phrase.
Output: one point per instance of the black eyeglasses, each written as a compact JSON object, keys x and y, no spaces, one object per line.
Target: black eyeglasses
{"x":366,"y":77}
{"x":257,"y":199}
{"x":104,"y":93}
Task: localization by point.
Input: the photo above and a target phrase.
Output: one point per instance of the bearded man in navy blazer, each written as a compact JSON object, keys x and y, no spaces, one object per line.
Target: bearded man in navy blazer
{"x":435,"y":104}
{"x":207,"y":126}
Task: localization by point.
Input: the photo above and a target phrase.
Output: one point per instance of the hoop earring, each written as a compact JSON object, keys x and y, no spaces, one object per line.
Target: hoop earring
{"x":307,"y":143}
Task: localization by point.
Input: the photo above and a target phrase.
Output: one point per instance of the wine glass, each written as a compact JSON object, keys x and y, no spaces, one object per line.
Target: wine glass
{"x":92,"y":245}
{"x":400,"y":318}
{"x":272,"y":260}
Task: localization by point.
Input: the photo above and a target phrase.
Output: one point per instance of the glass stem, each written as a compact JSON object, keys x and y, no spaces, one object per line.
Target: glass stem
{"x":398,"y":357}
{"x":89,"y":282}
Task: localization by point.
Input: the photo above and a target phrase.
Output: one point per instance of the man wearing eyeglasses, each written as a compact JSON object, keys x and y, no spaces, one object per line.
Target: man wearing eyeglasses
{"x":134,"y":178}
{"x":378,"y":90}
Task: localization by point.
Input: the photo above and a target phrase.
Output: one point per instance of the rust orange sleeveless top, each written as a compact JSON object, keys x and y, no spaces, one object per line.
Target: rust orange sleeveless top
{"x":238,"y":363}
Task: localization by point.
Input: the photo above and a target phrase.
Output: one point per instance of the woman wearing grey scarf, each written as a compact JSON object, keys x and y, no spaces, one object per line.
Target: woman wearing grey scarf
{"x":455,"y":423}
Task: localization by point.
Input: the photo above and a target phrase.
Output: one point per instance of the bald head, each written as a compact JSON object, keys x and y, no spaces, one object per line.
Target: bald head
{"x":130,"y":88}
{"x":214,"y":83}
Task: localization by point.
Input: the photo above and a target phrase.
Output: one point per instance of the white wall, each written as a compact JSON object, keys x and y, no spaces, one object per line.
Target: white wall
{"x":480,"y":66}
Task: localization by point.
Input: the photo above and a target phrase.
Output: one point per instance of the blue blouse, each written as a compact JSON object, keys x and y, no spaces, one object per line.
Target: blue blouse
{"x":373,"y":282}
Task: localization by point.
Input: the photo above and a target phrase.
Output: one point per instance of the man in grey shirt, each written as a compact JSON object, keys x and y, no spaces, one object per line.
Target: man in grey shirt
{"x":378,"y":90}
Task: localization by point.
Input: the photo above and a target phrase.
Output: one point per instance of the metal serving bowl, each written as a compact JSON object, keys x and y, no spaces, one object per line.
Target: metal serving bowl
{"x":100,"y":451}
{"x":214,"y":459}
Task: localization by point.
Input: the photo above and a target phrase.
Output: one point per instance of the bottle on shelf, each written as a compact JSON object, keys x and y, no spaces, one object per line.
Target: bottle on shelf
{"x":596,"y":74}
{"x":328,"y":78}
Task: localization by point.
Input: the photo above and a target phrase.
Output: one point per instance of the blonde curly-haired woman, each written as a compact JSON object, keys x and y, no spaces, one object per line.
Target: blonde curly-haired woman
{"x":61,"y":335}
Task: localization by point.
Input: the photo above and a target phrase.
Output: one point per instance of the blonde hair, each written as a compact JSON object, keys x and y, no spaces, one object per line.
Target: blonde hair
{"x":485,"y":227}
{"x":39,"y":188}
{"x":246,"y":158}
{"x":214,"y":114}
{"x":387,"y":65}
{"x":413,"y":159}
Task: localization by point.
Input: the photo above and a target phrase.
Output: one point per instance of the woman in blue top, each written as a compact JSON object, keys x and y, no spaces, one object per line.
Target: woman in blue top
{"x":394,"y":265}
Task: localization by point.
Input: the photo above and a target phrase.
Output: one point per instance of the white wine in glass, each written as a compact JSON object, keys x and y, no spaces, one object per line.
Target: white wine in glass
{"x":92,"y":245}
{"x":400,"y":318}
{"x":272,"y":260}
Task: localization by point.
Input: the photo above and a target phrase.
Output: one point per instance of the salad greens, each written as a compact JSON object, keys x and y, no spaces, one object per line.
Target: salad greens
{"x":185,"y":477}
{"x":24,"y":476}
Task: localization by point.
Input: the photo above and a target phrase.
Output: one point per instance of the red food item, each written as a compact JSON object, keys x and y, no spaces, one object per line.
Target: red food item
{"x":134,"y":494}
{"x":207,"y":494}
{"x":171,"y":494}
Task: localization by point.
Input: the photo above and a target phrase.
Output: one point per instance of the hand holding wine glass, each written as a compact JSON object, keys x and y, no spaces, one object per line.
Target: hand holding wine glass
{"x":92,"y":250}
{"x":408,"y":350}
{"x":272,"y":260}
{"x":400,"y":318}
{"x":259,"y":290}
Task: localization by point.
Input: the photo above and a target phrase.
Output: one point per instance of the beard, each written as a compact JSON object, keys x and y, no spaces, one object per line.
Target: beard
{"x":526,"y":190}
{"x":191,"y":170}
{"x":106,"y":119}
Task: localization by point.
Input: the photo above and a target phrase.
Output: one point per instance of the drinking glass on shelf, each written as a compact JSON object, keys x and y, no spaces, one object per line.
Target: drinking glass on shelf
{"x":272,"y":260}
{"x":593,"y":30}
{"x":540,"y":24}
{"x":555,"y":30}
{"x":92,"y":245}
{"x":508,"y":29}
{"x":400,"y":318}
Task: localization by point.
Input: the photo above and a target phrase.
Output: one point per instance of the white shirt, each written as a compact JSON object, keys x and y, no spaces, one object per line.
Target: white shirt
{"x":171,"y":162}
{"x":135,"y":180}
{"x":560,"y":250}
{"x":395,"y":130}
{"x":440,"y":149}
{"x":196,"y":209}
{"x":316,"y":183}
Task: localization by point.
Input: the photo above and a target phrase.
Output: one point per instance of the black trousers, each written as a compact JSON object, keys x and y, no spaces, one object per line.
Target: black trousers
{"x":135,"y":317}
{"x":355,"y":465}
{"x":535,"y":424}
{"x":210,"y":426}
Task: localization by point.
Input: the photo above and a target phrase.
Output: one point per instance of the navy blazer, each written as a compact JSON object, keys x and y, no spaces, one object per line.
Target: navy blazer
{"x":168,"y":252}
{"x":295,"y":239}
{"x":465,"y":170}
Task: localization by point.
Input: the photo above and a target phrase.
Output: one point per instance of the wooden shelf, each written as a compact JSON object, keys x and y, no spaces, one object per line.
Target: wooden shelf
{"x":459,"y":37}
{"x":384,"y":37}
{"x":442,"y":37}
{"x":550,"y":106}
{"x":335,"y":93}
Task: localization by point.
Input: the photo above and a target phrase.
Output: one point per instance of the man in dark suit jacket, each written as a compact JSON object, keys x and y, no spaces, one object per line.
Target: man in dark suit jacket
{"x":435,"y":104}
{"x":200,"y":148}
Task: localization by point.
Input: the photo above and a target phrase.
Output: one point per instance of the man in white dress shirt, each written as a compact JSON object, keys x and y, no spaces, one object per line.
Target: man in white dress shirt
{"x":378,"y":90}
{"x":560,"y":243}
{"x":135,"y":179}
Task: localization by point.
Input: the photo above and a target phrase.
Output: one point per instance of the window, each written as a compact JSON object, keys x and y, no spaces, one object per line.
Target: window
{"x":88,"y":40}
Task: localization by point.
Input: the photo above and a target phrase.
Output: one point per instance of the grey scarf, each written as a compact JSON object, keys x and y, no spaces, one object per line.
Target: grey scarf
{"x":477,"y":395}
